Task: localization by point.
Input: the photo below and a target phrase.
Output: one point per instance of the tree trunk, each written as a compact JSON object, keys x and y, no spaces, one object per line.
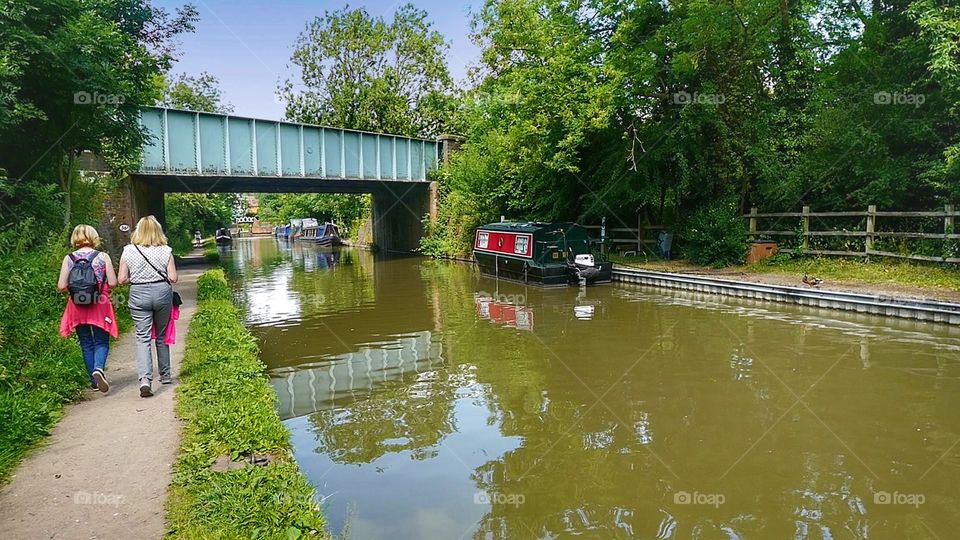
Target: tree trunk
{"x":66,"y":184}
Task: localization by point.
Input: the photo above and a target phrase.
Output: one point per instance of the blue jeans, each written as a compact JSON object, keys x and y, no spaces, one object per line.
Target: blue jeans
{"x":95,"y":344}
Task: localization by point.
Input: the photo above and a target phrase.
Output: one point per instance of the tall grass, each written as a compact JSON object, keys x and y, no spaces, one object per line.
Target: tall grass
{"x":229,"y":409}
{"x":39,"y":370}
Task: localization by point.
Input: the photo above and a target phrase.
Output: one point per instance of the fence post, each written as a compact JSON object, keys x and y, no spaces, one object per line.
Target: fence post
{"x":753,"y":223}
{"x":871,"y":228}
{"x":639,"y":234}
{"x":948,"y":219}
{"x":805,"y":243}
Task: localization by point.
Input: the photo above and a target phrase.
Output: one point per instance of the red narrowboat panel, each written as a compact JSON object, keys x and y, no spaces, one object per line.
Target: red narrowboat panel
{"x":504,"y":243}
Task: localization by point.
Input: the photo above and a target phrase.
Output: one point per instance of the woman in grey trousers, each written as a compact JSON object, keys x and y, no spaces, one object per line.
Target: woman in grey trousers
{"x":147,"y":264}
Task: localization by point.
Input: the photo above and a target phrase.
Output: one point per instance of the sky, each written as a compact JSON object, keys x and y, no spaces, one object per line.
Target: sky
{"x":247,"y":44}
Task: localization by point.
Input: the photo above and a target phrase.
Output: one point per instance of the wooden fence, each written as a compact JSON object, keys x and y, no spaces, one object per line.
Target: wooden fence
{"x":870,"y":233}
{"x":627,"y":239}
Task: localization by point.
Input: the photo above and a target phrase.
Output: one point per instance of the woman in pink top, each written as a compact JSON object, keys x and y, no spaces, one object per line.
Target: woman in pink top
{"x":94,"y":323}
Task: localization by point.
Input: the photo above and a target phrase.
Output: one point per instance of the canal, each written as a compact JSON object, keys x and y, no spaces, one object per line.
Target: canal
{"x":426,"y":401}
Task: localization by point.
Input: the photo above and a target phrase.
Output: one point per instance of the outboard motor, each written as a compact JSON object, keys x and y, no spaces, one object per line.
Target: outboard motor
{"x":584,"y":268}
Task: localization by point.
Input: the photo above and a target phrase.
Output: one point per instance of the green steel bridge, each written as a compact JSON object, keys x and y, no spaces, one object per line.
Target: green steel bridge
{"x":198,"y":152}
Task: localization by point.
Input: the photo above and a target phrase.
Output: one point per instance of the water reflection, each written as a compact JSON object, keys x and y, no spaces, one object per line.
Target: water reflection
{"x":447,"y":405}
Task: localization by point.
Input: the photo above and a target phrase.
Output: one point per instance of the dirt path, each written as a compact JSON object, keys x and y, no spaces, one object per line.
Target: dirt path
{"x":104,"y":471}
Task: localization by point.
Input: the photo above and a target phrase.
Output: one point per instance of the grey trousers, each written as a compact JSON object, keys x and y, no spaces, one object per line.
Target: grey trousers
{"x":150,"y":303}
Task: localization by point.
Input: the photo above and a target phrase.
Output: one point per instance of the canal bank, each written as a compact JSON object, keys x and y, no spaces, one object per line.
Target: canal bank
{"x":104,"y":470}
{"x":903,"y":307}
{"x":235,"y":476}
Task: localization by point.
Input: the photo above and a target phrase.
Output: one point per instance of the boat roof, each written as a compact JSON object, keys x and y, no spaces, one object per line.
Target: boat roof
{"x":527,"y":226}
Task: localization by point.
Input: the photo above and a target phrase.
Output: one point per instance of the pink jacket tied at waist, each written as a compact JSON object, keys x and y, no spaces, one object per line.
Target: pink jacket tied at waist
{"x":171,"y":336}
{"x":100,"y":314}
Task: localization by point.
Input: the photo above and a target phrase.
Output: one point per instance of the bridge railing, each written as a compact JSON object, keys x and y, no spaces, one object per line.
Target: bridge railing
{"x":207,"y":144}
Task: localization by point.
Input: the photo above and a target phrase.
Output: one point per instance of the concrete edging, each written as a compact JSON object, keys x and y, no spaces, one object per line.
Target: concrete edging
{"x":888,"y":306}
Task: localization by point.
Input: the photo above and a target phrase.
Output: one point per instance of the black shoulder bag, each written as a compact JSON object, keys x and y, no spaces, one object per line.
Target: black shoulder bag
{"x":177,"y":301}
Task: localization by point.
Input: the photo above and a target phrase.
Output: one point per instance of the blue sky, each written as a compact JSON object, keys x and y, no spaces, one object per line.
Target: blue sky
{"x":247,"y":44}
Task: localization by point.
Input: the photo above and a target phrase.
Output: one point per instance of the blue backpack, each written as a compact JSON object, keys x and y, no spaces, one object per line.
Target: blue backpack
{"x":82,"y":282}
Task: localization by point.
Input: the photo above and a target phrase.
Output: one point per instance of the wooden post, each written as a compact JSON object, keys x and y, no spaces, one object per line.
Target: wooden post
{"x":871,"y":228}
{"x":639,"y":235}
{"x":948,"y":219}
{"x":753,"y":223}
{"x":805,"y":243}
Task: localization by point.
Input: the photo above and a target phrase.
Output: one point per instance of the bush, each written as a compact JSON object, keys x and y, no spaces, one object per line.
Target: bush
{"x":716,"y":236}
{"x":229,"y":409}
{"x":212,"y":285}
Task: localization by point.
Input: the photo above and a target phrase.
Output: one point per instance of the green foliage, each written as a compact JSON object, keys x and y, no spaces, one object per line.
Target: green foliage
{"x":190,"y":212}
{"x":212,"y":285}
{"x":73,"y":76}
{"x":362,"y":72}
{"x":200,"y":94}
{"x":39,"y":370}
{"x":342,"y":209}
{"x":229,"y":409}
{"x":716,"y":236}
{"x":599,"y":108}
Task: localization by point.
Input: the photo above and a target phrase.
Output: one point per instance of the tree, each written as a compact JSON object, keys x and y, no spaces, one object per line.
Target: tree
{"x":73,"y":76}
{"x":361,"y":72}
{"x":201,"y":93}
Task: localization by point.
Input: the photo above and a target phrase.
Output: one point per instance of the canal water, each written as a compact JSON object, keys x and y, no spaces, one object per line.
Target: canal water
{"x":426,"y":401}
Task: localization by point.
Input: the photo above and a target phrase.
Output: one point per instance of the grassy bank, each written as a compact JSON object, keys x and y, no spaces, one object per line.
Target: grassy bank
{"x":835,"y":270}
{"x":39,"y":370}
{"x":229,"y":410}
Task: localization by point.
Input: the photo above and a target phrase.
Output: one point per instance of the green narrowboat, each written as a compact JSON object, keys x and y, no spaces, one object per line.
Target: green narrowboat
{"x":547,"y":254}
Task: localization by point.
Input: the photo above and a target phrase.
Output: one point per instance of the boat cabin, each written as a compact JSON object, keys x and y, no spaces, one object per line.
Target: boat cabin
{"x":549,"y":254}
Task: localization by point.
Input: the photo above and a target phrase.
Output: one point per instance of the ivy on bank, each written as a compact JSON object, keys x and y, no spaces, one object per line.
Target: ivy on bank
{"x":229,"y":409}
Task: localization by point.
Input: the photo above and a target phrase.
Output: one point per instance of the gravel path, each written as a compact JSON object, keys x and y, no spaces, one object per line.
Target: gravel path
{"x":104,"y":471}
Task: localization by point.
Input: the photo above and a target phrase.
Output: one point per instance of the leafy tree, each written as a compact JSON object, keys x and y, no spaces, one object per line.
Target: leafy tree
{"x":361,"y":72}
{"x":595,"y":108}
{"x":72,"y":77}
{"x":201,"y":93}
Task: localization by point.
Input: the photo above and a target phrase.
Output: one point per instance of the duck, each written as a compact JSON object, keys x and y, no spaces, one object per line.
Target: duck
{"x":811,"y":281}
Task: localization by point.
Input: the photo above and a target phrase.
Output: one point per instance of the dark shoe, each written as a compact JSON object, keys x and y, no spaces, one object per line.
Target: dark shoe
{"x":166,"y":380}
{"x":145,"y":390}
{"x":102,"y":384}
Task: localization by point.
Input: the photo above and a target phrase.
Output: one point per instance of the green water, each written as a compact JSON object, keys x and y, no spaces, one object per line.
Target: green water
{"x":426,"y":401}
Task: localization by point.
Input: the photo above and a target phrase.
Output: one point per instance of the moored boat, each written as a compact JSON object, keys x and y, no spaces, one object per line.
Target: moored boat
{"x":324,"y":235}
{"x":223,"y":237}
{"x":548,"y":254}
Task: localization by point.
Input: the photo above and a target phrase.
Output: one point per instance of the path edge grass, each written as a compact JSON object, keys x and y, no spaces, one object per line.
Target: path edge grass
{"x":228,"y":408}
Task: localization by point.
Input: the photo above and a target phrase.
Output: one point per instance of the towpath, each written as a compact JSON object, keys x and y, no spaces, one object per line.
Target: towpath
{"x":103,"y":472}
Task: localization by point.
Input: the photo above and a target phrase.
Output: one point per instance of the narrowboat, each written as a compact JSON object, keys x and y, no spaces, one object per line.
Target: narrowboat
{"x":547,"y":254}
{"x":327,"y":235}
{"x":223,"y":237}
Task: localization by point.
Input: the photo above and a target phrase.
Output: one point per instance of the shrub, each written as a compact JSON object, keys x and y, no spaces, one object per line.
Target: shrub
{"x":716,"y":236}
{"x":212,"y":285}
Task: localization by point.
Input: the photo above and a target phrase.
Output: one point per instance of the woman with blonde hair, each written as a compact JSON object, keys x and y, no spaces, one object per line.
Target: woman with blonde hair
{"x":147,"y":263}
{"x":87,"y":275}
